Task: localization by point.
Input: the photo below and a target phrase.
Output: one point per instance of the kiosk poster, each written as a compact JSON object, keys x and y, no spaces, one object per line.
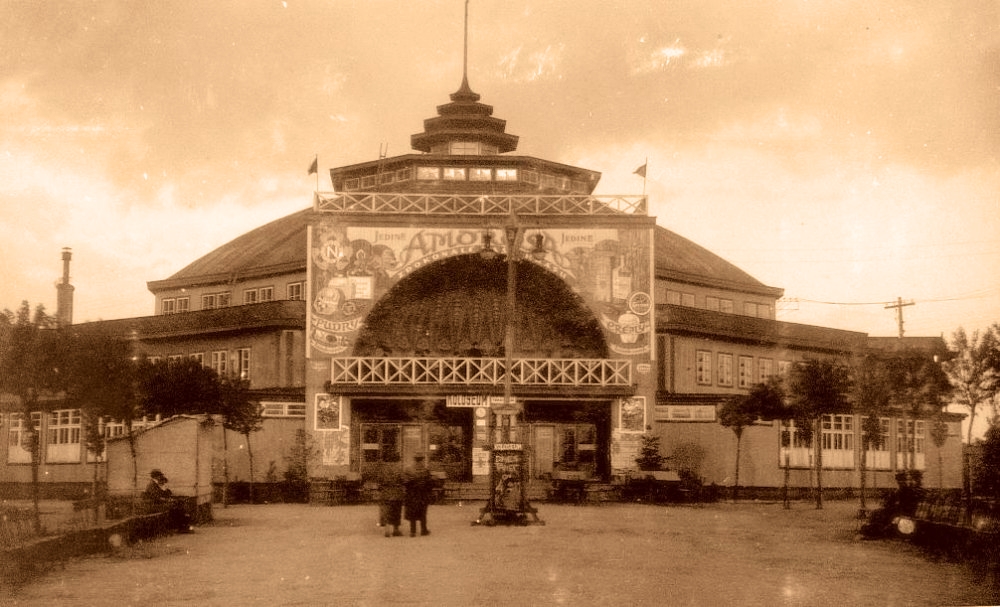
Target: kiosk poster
{"x":632,"y":414}
{"x":327,"y":412}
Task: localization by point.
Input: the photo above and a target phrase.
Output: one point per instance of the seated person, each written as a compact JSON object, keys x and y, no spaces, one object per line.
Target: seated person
{"x":159,"y":498}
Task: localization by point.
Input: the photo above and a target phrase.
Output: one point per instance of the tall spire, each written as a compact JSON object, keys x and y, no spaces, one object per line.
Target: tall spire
{"x":464,"y":92}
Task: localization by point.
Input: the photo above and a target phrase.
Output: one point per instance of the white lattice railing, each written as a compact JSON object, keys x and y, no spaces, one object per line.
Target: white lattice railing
{"x":480,"y":371}
{"x":445,"y":204}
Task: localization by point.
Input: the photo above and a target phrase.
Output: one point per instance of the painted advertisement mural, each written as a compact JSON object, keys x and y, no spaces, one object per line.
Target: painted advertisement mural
{"x":352,"y":267}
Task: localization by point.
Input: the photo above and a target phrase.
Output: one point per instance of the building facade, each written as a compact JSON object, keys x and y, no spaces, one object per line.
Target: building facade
{"x":463,"y":298}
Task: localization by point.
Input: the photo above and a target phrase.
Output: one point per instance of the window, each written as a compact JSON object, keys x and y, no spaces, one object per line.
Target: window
{"x":352,"y":184}
{"x":368,"y":181}
{"x":838,"y":441}
{"x":674,"y":298}
{"x":380,"y":443}
{"x":745,"y":378}
{"x":480,"y":175}
{"x":17,"y":437}
{"x":726,"y":305}
{"x":687,"y":299}
{"x":386,"y":178}
{"x":199,"y":357}
{"x":175,"y":358}
{"x":712,"y":303}
{"x":220,"y":362}
{"x":210,"y":301}
{"x":404,"y":174}
{"x":295,"y":291}
{"x":454,"y":173}
{"x":243,"y":363}
{"x":725,"y":370}
{"x":168,"y":306}
{"x":250,"y":296}
{"x":531,"y":176}
{"x":750,"y":309}
{"x":795,"y":451}
{"x":703,"y":367}
{"x":765,"y":369}
{"x":428,"y":173}
{"x":506,"y":174}
{"x":283,"y":409}
{"x":265,"y":294}
{"x":183,"y":304}
{"x":910,"y":444}
{"x":877,"y":456}
{"x":763,"y":311}
{"x":458,"y":148}
{"x":784,"y":367}
{"x":63,"y":443}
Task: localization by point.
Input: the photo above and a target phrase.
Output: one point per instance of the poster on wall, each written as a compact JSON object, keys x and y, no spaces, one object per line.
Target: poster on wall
{"x":353,"y":267}
{"x":632,"y":414}
{"x":624,"y":450}
{"x":328,"y":410}
{"x":336,"y":446}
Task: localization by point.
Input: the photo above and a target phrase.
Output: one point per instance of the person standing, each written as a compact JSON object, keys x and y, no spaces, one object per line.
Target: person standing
{"x":391,"y":494}
{"x":419,"y":489}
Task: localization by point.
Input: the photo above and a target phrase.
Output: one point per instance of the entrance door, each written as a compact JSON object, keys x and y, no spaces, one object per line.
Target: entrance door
{"x":577,"y":447}
{"x":544,"y":449}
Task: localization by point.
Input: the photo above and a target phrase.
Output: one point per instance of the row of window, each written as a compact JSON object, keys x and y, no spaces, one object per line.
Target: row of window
{"x":749,"y":371}
{"x":838,"y":444}
{"x":63,"y":436}
{"x":719,"y":304}
{"x":219,"y":361}
{"x":223,"y":299}
{"x":438,"y":173}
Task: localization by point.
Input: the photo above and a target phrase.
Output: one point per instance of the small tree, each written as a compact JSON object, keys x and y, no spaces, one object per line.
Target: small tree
{"x":763,"y":401}
{"x":973,"y":373}
{"x":871,"y":393}
{"x":302,"y":452}
{"x":649,"y":457}
{"x":30,"y":369}
{"x":817,"y":388}
{"x":240,"y":414}
{"x":99,"y":382}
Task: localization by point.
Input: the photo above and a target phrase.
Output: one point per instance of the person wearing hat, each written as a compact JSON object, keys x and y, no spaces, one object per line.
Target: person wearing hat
{"x":419,"y":489}
{"x":159,"y":498}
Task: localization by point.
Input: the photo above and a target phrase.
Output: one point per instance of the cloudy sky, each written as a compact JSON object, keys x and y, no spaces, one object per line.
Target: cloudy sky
{"x":844,"y":151}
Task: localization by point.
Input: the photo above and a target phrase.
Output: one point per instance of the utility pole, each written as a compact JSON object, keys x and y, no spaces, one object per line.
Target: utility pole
{"x":899,"y":312}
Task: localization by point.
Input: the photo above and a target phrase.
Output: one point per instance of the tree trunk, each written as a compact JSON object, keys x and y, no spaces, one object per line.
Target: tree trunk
{"x":250,"y":455}
{"x":36,"y":447}
{"x":818,"y":437}
{"x":784,"y":489}
{"x":225,"y":469}
{"x":736,"y":485}
{"x":863,"y":466}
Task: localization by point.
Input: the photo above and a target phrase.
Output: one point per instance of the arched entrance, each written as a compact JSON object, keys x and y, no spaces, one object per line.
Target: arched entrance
{"x":455,"y":308}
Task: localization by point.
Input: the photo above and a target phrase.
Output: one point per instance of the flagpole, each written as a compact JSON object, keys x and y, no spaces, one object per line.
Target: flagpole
{"x":316,"y":162}
{"x":646,"y":164}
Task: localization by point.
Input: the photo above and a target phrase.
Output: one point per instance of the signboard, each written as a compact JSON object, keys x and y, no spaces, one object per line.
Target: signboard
{"x":473,"y":400}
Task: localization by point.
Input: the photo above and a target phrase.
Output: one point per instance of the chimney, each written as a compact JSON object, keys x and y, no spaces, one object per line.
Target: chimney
{"x":64,"y":293}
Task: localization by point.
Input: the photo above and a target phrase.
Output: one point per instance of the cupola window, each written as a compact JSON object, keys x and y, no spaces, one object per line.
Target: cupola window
{"x":476,"y":174}
{"x":454,"y":173}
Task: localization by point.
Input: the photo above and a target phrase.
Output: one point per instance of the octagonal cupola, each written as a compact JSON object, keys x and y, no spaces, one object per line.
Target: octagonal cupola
{"x":464,"y":126}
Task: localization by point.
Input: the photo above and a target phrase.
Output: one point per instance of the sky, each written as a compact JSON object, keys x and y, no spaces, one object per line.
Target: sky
{"x":845,"y":151}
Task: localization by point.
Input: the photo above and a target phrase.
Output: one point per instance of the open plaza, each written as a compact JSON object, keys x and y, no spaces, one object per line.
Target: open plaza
{"x":750,"y":553}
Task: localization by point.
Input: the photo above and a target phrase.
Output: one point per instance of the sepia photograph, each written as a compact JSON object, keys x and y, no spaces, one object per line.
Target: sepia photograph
{"x":470,"y":302}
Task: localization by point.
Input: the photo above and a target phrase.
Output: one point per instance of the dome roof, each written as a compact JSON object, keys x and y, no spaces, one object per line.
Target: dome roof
{"x":275,"y":248}
{"x":279,"y":247}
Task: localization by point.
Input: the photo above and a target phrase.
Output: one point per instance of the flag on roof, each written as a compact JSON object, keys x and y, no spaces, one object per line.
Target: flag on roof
{"x":641,"y":171}
{"x":314,"y":167}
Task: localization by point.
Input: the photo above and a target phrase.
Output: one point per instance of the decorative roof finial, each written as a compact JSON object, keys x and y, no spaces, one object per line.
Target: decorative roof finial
{"x":464,"y":92}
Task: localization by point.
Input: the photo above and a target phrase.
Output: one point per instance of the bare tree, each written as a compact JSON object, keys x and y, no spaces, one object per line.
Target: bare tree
{"x":871,"y":394}
{"x":241,"y":414}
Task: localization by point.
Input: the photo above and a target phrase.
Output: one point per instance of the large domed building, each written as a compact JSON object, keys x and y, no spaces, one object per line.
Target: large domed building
{"x":487,"y":311}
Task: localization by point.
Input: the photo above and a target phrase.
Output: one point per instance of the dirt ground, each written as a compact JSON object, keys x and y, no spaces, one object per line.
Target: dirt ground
{"x":622,"y":554}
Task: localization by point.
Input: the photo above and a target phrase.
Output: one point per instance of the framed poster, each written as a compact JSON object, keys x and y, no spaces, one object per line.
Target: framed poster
{"x":328,"y":411}
{"x":632,"y":414}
